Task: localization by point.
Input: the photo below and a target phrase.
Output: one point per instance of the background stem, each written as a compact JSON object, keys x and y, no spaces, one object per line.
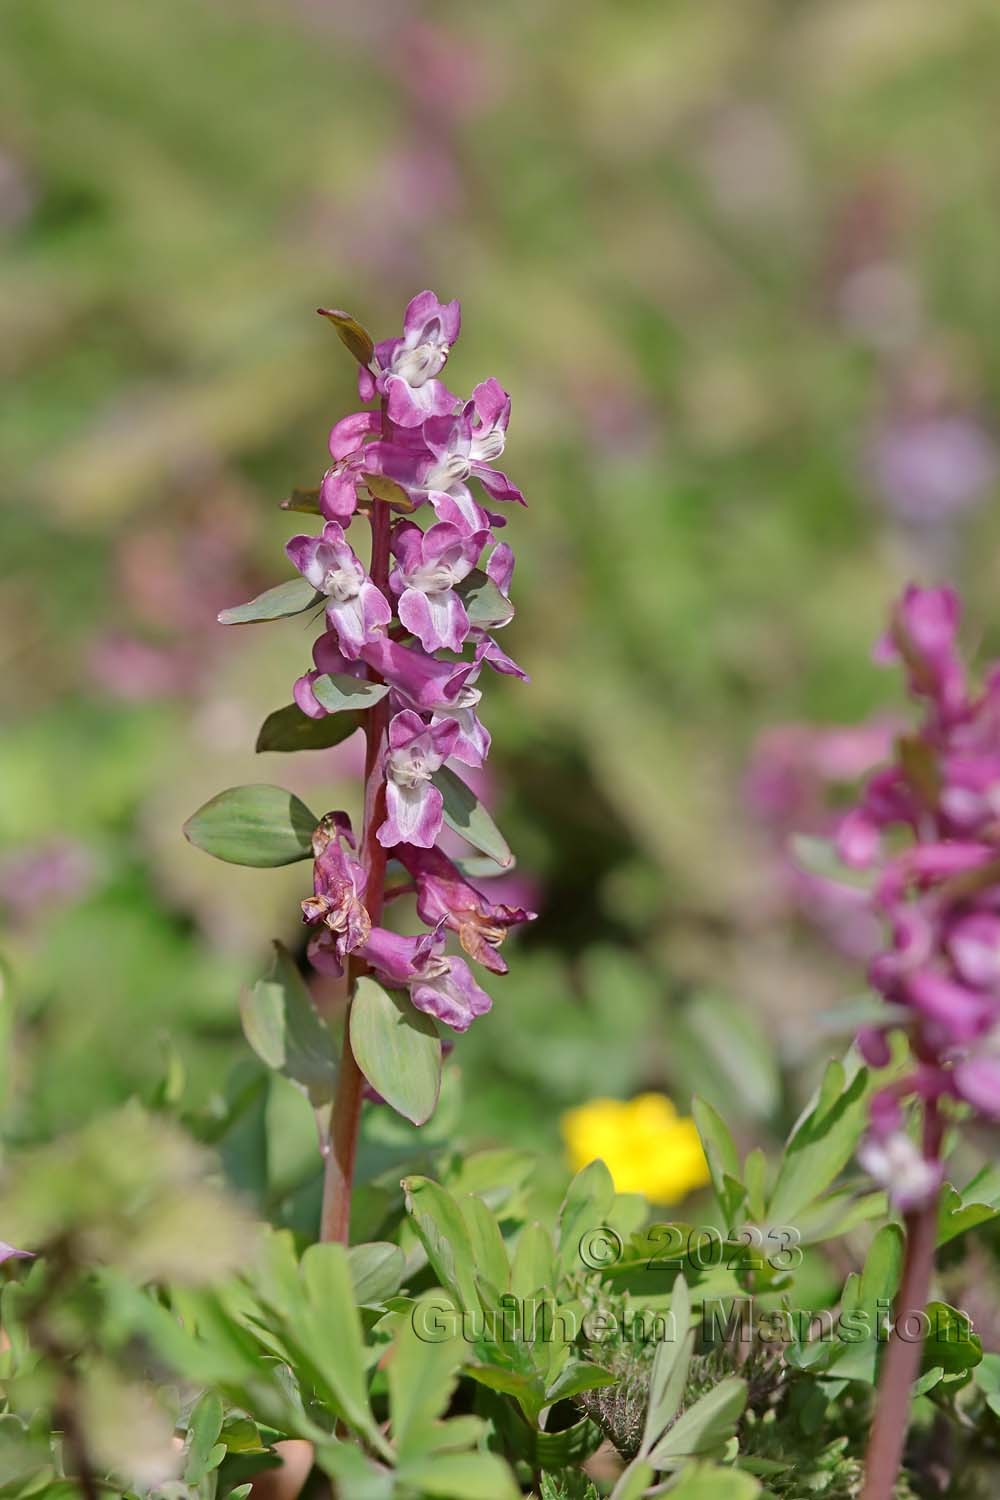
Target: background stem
{"x":902,"y":1357}
{"x":345,"y":1115}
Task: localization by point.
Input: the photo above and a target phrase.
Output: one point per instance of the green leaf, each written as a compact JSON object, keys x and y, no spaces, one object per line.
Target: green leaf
{"x":481,"y":867}
{"x":381,"y":488}
{"x":466,"y":815}
{"x":575,"y":1376}
{"x":422,"y":1375}
{"x":705,"y":1428}
{"x":634,"y":1482}
{"x":282,"y":1026}
{"x":355,"y":1475}
{"x":339,"y":691}
{"x":257,"y":825}
{"x":755,"y":1180}
{"x":377,"y":1271}
{"x":353,"y":335}
{"x":669,"y":1373}
{"x":710,"y":1482}
{"x":204,"y":1427}
{"x":955,"y":1215}
{"x":484,"y":603}
{"x":290,"y":729}
{"x":588,"y":1202}
{"x":290,"y":598}
{"x":397,"y":1048}
{"x":304,"y":501}
{"x":951,"y":1343}
{"x":488,"y":1248}
{"x":722,"y":1156}
{"x":740,"y":1053}
{"x":821,"y":1144}
{"x":533,"y":1266}
{"x":462,"y":1476}
{"x":330,"y":1332}
{"x":439,"y":1224}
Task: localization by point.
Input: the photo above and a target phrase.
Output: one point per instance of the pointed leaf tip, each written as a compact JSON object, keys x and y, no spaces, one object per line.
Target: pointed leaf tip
{"x":355,"y":338}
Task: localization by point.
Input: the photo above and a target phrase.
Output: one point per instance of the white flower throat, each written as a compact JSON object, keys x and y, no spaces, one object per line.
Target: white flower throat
{"x":341,"y":584}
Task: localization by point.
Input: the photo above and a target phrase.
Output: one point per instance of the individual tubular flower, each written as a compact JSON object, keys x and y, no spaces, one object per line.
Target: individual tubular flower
{"x":409,"y":366}
{"x":444,"y":896}
{"x":337,"y":903}
{"x":939,"y":896}
{"x":414,"y":806}
{"x":338,"y":495}
{"x":439,"y":985}
{"x":430,"y":564}
{"x":355,"y":607}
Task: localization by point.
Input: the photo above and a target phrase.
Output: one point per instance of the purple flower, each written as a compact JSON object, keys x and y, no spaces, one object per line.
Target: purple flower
{"x":410,"y":364}
{"x":337,"y":902}
{"x":940,"y":894}
{"x":414,"y":806}
{"x":445,"y":897}
{"x":489,"y":652}
{"x":439,"y":985}
{"x":8,"y":1252}
{"x":897,"y":1164}
{"x":355,"y":608}
{"x":932,"y":467}
{"x":923,"y":635}
{"x":338,"y":496}
{"x":463,"y":446}
{"x":430,"y":564}
{"x":472,"y":743}
{"x":420,"y":681}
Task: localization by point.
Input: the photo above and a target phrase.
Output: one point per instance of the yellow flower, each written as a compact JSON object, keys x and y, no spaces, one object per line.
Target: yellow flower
{"x":646,"y":1146}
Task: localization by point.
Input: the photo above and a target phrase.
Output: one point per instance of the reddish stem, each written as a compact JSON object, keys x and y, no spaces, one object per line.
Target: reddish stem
{"x":902,"y":1356}
{"x":345,"y":1116}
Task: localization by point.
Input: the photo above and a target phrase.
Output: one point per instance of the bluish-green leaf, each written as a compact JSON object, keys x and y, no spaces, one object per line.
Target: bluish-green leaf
{"x":289,"y":598}
{"x":466,"y":815}
{"x":338,"y":691}
{"x":484,"y":603}
{"x":257,"y":825}
{"x":282,"y":1026}
{"x":289,"y":729}
{"x":397,"y":1048}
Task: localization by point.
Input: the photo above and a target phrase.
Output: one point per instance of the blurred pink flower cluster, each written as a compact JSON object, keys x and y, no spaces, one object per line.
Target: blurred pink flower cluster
{"x":928,"y":826}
